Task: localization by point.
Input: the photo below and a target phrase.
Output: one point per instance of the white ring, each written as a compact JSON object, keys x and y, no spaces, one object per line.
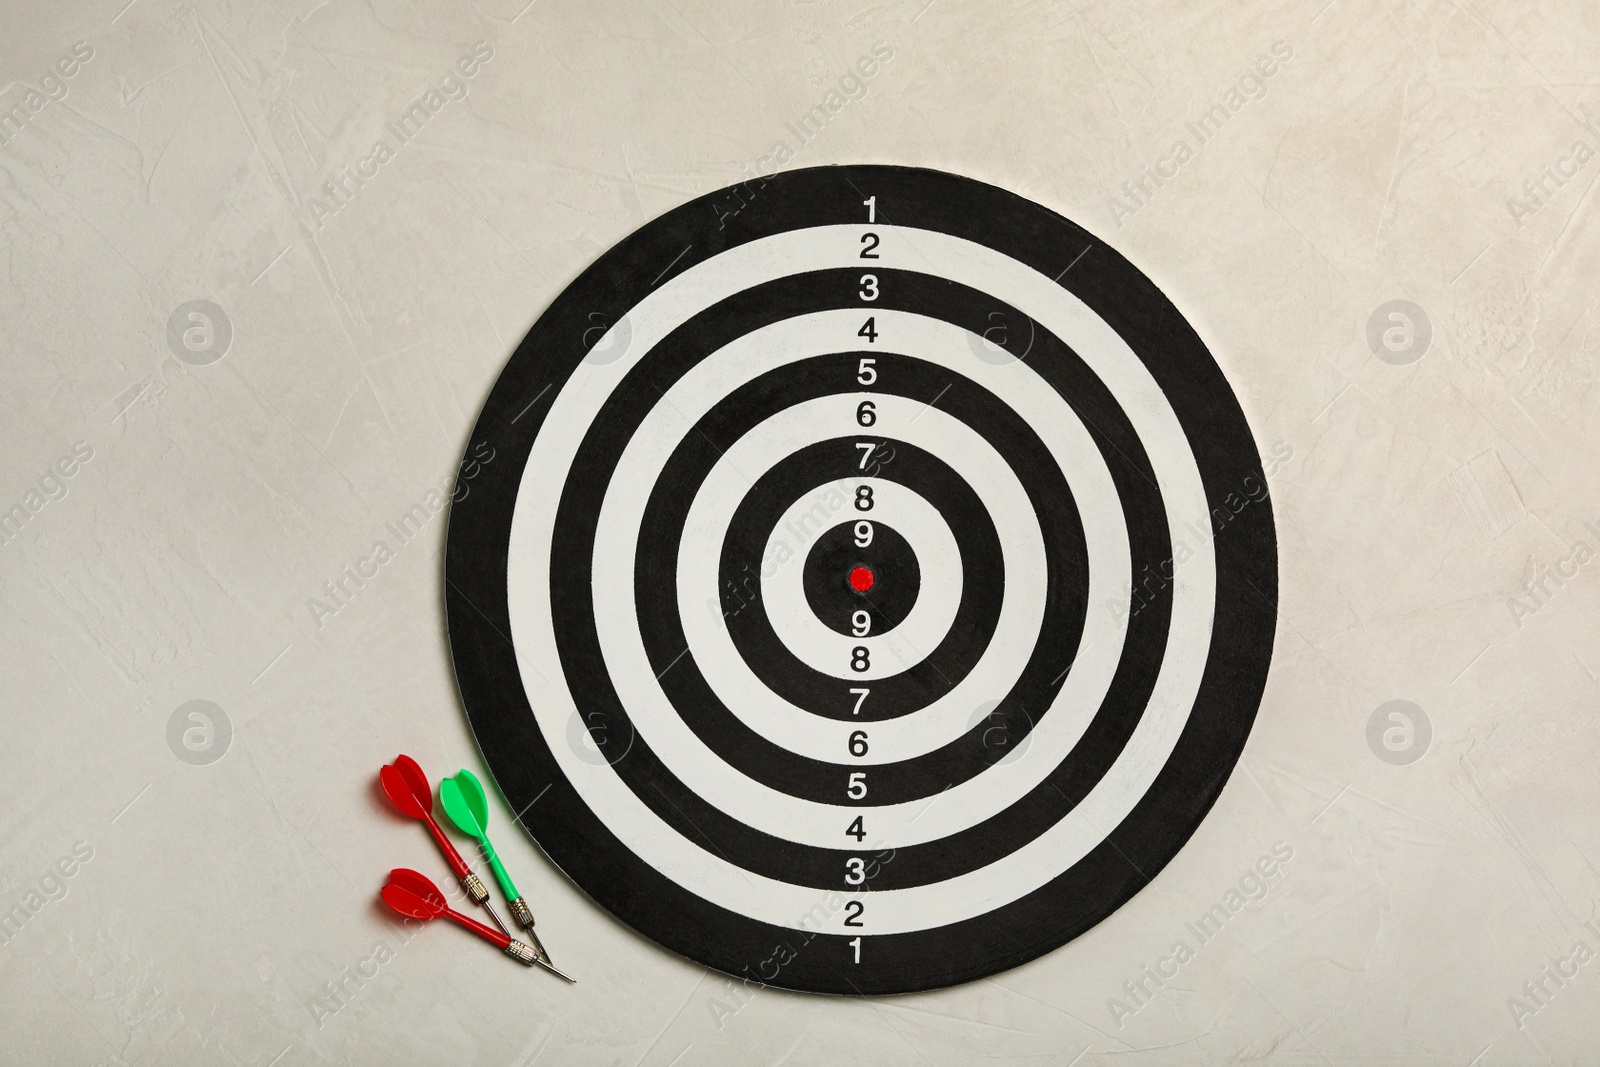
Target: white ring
{"x":1138,"y":395}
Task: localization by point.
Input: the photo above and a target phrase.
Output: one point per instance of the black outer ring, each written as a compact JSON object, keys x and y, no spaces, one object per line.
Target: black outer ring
{"x":1243,"y":537}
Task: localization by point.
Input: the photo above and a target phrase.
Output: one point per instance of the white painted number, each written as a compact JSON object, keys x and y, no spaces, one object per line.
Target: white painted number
{"x":861,"y":698}
{"x":866,"y":373}
{"x":858,"y":785}
{"x":863,"y":533}
{"x":869,"y":287}
{"x":871,"y":204}
{"x":855,"y":870}
{"x":855,"y":943}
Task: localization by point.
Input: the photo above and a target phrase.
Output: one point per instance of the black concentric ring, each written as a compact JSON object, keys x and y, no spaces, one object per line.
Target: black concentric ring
{"x":887,"y":593}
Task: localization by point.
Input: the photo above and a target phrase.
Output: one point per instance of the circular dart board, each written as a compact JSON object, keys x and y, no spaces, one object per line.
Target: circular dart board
{"x":866,"y":581}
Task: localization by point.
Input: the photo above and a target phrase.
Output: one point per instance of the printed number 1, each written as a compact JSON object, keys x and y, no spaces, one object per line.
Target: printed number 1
{"x":871,"y":204}
{"x":855,"y":943}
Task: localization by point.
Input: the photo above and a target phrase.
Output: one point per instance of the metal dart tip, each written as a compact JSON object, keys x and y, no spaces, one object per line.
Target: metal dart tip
{"x":533,"y":939}
{"x":488,"y":907}
{"x":558,"y":972}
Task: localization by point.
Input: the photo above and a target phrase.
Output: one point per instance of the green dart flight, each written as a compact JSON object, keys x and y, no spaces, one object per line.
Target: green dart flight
{"x":467,"y":807}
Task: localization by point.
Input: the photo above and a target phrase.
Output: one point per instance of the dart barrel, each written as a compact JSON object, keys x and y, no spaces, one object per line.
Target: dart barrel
{"x":475,"y":888}
{"x":521,"y":953}
{"x":520,"y":912}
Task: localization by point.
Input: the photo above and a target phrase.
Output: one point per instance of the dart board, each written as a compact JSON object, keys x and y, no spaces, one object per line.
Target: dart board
{"x":873,"y":585}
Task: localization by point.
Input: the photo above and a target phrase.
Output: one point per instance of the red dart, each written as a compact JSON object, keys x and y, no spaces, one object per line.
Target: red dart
{"x":414,"y":896}
{"x":407,"y":789}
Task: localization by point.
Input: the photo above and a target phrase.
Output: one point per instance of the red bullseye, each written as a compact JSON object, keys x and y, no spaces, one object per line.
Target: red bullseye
{"x":861,"y":579}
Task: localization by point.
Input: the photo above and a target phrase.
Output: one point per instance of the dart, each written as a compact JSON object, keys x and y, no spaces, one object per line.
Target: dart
{"x":414,"y":896}
{"x":407,"y":788}
{"x":465,"y":804}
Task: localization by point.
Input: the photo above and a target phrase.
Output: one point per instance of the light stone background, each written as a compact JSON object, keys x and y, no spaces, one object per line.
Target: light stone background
{"x":223,"y":900}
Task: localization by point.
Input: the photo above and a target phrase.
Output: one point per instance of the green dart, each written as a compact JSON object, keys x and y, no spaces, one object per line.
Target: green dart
{"x":465,"y":804}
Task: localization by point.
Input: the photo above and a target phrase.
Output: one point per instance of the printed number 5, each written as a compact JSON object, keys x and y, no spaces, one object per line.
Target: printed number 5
{"x":858,"y":785}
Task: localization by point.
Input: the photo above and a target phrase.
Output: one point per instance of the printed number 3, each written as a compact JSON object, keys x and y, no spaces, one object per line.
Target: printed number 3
{"x":869,"y":287}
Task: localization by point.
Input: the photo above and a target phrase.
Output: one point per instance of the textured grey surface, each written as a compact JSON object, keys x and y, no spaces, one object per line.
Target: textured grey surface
{"x":1433,"y":507}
